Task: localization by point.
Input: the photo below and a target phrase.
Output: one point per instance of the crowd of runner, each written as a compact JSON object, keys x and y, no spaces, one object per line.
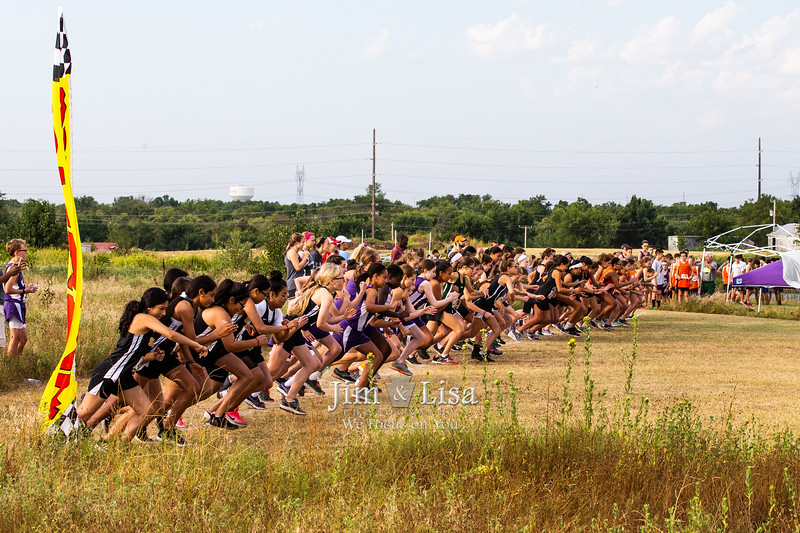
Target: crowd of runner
{"x":357,"y":317}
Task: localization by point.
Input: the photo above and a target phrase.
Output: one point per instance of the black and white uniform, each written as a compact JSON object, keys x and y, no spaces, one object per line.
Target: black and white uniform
{"x":153,"y":369}
{"x":271,"y":317}
{"x":297,"y":339}
{"x":496,"y":291}
{"x":115,"y":373}
{"x":216,"y":349}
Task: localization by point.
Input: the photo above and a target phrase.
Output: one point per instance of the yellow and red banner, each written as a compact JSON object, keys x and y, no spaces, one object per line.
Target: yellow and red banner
{"x":62,"y":387}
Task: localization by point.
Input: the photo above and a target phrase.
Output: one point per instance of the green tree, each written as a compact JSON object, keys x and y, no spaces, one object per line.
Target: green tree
{"x":578,"y":225}
{"x":38,"y":224}
{"x":639,"y":220}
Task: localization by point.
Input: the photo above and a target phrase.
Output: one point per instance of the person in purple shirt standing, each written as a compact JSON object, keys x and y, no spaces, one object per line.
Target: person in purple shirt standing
{"x":16,"y":295}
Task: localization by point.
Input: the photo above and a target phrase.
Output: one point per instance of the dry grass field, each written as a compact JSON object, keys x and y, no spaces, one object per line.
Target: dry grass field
{"x":713,"y":448}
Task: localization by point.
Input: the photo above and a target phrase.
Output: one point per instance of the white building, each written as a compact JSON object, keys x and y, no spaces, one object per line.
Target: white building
{"x":784,"y":238}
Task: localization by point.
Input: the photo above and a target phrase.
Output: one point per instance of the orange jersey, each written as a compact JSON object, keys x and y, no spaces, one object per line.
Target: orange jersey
{"x":683,"y":276}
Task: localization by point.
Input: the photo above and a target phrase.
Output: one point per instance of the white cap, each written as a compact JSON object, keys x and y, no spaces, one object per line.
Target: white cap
{"x":342,"y":238}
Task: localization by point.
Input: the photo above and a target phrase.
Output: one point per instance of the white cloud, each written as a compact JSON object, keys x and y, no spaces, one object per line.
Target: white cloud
{"x":263,"y":24}
{"x":377,"y":46}
{"x":711,"y":118}
{"x":511,"y":36}
{"x":652,"y":43}
{"x":616,"y":3}
{"x":714,"y":27}
{"x":791,"y":61}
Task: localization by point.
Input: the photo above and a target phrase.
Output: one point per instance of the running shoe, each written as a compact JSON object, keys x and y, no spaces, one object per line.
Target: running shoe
{"x":265,"y":397}
{"x":514,"y":334}
{"x":142,"y":436}
{"x":255,"y":402}
{"x":207,"y":416}
{"x":482,"y":357}
{"x":292,"y":407}
{"x":424,"y":353}
{"x":234,"y":418}
{"x":607,"y":327}
{"x":573,"y":331}
{"x":343,"y":375}
{"x":494,"y":351}
{"x":171,"y":436}
{"x":283,"y":389}
{"x":594,"y":324}
{"x":221,"y":422}
{"x":402,"y":367}
{"x":413,"y":360}
{"x":314,"y":385}
{"x":546,"y":332}
{"x":221,"y":394}
{"x":617,"y":324}
{"x":499,"y":341}
{"x":180,"y":424}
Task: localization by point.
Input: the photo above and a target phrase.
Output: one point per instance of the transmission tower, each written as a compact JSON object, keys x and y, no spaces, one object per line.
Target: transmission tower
{"x":300,"y":176}
{"x":795,"y":183}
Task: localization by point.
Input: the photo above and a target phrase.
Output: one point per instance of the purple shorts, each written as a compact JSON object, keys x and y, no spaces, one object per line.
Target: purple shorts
{"x":14,"y":309}
{"x":351,"y":338}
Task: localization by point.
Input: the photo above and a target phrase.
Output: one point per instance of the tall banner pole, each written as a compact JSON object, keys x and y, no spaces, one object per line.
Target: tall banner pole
{"x":61,"y":391}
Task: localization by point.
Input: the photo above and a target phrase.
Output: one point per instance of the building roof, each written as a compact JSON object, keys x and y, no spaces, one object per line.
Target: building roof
{"x":786,"y":230}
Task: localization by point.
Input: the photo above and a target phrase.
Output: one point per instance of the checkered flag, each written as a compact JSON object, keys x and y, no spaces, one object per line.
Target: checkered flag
{"x":62,"y":62}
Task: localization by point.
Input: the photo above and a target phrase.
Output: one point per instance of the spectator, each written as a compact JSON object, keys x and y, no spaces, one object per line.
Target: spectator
{"x":344,"y":244}
{"x":708,"y":276}
{"x":16,"y":295}
{"x":400,"y":247}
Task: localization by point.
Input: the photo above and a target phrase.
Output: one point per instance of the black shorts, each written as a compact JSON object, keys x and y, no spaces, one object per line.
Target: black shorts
{"x":100,"y":386}
{"x":160,"y":368}
{"x":252,"y":358}
{"x":209,"y":362}
{"x":544,"y":305}
{"x":297,"y":339}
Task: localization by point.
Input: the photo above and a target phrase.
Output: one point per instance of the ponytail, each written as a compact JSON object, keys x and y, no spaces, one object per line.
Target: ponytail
{"x":373,"y":270}
{"x":325,"y":275}
{"x":276,"y":282}
{"x":151,"y":298}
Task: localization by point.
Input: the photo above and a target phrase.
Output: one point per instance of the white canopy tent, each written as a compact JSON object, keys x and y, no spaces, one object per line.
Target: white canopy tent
{"x":791,"y":259}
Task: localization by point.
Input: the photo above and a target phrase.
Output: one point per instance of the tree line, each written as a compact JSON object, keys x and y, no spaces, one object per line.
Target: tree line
{"x":164,"y":223}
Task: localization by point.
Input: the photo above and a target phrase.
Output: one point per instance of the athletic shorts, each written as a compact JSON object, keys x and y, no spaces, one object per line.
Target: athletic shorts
{"x":252,"y":358}
{"x":350,"y":338}
{"x":318,"y":333}
{"x":100,"y":386}
{"x":209,"y":362}
{"x":153,"y":369}
{"x":15,"y":313}
{"x":297,"y":339}
{"x":416,"y":322}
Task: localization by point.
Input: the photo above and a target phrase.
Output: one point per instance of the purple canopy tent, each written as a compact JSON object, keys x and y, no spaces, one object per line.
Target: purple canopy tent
{"x":768,"y":276}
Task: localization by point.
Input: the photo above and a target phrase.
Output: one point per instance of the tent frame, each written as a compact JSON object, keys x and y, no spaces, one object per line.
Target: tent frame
{"x":741,"y":247}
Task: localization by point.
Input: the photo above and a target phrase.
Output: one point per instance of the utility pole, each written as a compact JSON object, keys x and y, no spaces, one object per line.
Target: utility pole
{"x":373,"y":183}
{"x":525,"y":245}
{"x":774,"y":212}
{"x":759,"y":169}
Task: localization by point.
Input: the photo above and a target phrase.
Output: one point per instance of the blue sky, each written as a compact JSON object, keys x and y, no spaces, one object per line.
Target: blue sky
{"x":599,"y":99}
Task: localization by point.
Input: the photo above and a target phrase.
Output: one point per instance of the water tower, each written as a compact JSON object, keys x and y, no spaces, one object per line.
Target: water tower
{"x":241,"y":193}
